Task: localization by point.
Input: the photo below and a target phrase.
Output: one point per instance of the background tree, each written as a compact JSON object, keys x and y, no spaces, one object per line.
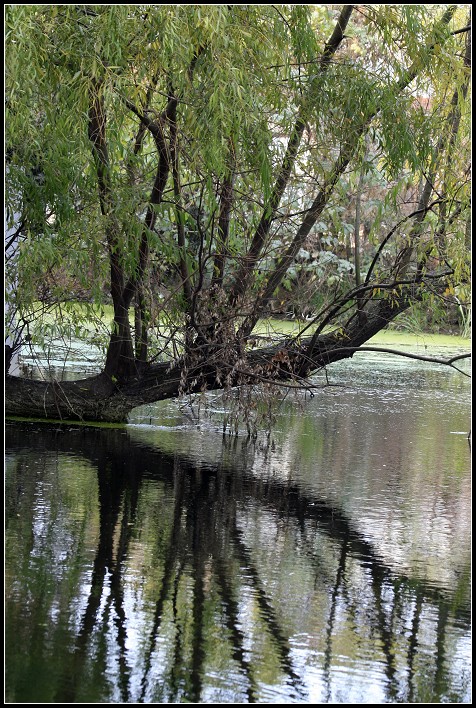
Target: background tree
{"x":179,"y":161}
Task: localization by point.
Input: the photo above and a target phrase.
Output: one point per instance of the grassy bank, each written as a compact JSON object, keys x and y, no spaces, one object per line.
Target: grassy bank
{"x":425,"y":340}
{"x":387,"y":337}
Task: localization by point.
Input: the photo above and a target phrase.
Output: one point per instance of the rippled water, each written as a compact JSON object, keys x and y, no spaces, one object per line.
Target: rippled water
{"x":326,"y":562}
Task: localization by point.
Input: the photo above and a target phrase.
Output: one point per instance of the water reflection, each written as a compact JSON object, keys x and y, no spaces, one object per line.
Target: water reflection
{"x":135,"y":575}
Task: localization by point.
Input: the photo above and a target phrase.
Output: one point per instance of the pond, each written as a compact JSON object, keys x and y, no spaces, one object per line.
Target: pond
{"x":327,"y":561}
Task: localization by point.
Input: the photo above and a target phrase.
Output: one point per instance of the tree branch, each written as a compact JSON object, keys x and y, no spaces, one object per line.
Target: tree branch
{"x":242,"y":278}
{"x":226,"y":204}
{"x":320,"y":202}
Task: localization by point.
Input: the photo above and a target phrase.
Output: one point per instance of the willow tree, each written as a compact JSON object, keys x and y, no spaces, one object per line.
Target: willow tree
{"x":175,"y":160}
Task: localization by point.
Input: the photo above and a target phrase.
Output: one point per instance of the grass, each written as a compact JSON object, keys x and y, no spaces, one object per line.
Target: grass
{"x":424,"y":339}
{"x":387,"y":337}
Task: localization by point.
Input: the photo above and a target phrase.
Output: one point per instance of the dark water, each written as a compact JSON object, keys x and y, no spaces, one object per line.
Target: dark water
{"x":329,"y":562}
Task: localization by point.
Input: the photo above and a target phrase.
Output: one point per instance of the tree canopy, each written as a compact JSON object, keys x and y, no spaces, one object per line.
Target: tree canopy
{"x":195,"y":166}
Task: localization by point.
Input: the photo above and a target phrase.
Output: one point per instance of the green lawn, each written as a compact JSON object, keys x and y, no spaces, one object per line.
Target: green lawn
{"x":387,"y":337}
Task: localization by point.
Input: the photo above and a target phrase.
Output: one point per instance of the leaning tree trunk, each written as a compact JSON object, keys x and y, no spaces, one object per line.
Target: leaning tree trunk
{"x":99,"y":398}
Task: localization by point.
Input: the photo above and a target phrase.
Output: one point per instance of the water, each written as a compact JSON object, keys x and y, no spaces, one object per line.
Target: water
{"x":328,"y":562}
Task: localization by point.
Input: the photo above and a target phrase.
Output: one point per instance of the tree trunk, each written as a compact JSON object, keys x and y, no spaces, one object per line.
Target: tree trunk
{"x":98,"y":398}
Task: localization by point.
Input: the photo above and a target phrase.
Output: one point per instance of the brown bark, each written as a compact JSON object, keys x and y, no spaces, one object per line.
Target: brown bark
{"x":226,"y":204}
{"x":120,"y":356}
{"x":179,"y":214}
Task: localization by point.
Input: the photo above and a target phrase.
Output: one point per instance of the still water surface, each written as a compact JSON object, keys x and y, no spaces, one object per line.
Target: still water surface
{"x":328,"y":562}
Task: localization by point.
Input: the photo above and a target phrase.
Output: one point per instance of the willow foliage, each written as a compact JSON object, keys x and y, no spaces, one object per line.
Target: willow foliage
{"x":244,"y":79}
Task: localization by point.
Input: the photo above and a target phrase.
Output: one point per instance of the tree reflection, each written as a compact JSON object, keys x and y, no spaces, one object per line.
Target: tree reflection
{"x":210,"y":623}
